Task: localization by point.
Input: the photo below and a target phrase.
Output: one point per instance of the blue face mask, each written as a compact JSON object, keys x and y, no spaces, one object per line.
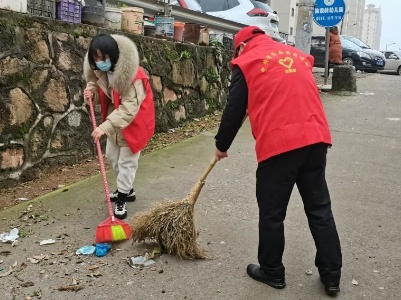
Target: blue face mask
{"x":104,"y":65}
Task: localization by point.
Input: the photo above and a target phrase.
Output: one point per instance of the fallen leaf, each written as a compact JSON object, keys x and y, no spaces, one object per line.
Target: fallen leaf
{"x":32,"y":260}
{"x":27,"y":284}
{"x":156,"y":251}
{"x":70,"y":288}
{"x":63,"y":261}
{"x":354,"y":282}
{"x":39,"y":257}
{"x":93,"y":267}
{"x":47,"y":242}
{"x":95,"y":274}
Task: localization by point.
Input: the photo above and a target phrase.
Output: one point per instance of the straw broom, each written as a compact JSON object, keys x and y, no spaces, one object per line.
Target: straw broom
{"x":171,"y":223}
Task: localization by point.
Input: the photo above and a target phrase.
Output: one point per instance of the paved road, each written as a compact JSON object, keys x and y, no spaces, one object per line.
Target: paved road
{"x":364,"y":178}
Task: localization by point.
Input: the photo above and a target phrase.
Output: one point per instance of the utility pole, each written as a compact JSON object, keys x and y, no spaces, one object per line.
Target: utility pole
{"x":304,"y":25}
{"x":342,"y":23}
{"x":388,"y":45}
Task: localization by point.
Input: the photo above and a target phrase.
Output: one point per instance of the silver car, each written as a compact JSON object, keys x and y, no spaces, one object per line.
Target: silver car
{"x":393,"y":62}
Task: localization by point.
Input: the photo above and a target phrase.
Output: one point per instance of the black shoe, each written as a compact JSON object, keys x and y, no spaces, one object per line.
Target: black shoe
{"x":131,"y":197}
{"x":332,"y":288}
{"x":255,"y":272}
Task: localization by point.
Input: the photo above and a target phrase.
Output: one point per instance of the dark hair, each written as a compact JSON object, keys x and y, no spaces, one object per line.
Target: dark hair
{"x":106,"y":45}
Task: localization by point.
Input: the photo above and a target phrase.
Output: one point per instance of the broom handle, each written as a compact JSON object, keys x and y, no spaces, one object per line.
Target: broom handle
{"x":101,"y":163}
{"x":208,"y":169}
{"x":201,"y":181}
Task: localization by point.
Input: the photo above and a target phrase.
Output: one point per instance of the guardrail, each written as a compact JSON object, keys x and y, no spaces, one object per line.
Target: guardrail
{"x":155,"y":7}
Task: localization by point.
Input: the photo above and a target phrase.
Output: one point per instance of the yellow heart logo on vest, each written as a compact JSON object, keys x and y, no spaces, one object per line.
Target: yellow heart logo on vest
{"x":286,"y":62}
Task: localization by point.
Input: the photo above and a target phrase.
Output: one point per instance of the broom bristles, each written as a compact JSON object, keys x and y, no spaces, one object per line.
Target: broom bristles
{"x":118,"y":233}
{"x":112,"y":231}
{"x":171,"y":224}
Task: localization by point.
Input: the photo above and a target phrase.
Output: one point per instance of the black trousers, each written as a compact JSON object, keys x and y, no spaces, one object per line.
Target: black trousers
{"x":275,"y":179}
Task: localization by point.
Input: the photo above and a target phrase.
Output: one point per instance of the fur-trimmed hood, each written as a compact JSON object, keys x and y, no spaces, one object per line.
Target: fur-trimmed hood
{"x":125,"y":69}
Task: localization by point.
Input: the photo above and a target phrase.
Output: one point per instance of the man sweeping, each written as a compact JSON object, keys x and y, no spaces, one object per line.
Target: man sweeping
{"x":274,"y":84}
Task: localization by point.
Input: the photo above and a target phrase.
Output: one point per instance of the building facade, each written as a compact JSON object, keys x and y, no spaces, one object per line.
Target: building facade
{"x":352,"y":23}
{"x":287,"y":13}
{"x":372,"y":25}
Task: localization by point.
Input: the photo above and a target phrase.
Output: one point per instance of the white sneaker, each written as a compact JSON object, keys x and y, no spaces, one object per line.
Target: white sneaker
{"x":120,"y":210}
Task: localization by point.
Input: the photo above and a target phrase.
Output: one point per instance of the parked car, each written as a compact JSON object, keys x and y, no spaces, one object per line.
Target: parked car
{"x":377,"y":55}
{"x":248,"y":12}
{"x":393,"y":62}
{"x":352,"y":55}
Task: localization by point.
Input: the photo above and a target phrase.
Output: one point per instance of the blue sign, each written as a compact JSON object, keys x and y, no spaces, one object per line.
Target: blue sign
{"x":328,"y":13}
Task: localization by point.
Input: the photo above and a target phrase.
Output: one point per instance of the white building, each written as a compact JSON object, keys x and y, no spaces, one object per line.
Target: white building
{"x":287,"y":13}
{"x":352,"y":23}
{"x":372,"y":25}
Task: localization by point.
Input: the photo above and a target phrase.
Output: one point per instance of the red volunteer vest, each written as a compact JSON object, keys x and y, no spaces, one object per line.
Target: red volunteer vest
{"x":139,"y":132}
{"x":284,"y":105}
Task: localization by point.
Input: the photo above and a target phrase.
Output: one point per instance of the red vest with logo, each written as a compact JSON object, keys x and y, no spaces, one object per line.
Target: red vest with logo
{"x":140,"y":131}
{"x":284,"y":105}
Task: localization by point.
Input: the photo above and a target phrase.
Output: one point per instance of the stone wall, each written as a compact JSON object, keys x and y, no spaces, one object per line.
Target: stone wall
{"x":43,"y":118}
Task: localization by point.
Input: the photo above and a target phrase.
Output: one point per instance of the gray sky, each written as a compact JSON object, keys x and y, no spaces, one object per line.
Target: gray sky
{"x":391,"y":19}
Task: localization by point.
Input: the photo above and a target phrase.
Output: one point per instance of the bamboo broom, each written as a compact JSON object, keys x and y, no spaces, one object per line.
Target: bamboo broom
{"x":171,"y":223}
